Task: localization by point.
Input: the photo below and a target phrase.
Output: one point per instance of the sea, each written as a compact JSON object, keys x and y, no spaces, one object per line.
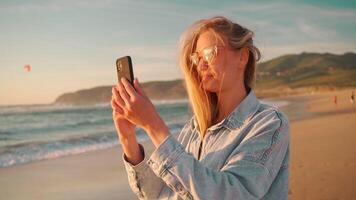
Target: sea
{"x":31,"y":133}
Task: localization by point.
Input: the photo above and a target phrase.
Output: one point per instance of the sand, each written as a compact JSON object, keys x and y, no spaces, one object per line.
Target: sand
{"x":92,"y":175}
{"x":323,"y":151}
{"x":323,"y":160}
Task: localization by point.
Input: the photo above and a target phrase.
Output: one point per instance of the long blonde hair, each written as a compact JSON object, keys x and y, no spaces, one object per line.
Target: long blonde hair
{"x":204,"y":104}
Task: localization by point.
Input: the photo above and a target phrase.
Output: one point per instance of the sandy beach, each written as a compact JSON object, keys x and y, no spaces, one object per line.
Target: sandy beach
{"x":323,"y":159}
{"x":323,"y":155}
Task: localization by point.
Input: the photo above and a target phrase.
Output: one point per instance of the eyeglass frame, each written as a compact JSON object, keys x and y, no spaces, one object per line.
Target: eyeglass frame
{"x":196,"y":63}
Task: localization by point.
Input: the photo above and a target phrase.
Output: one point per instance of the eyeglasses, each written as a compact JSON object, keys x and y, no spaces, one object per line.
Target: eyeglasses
{"x":209,"y":53}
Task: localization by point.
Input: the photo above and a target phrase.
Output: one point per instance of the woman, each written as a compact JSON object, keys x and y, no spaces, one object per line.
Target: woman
{"x":234,"y":147}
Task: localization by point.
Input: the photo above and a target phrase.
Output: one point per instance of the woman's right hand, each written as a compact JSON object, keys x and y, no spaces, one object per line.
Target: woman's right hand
{"x":125,"y":129}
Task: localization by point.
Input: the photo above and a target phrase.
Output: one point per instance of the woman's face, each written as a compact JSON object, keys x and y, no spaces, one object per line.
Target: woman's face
{"x":225,"y":70}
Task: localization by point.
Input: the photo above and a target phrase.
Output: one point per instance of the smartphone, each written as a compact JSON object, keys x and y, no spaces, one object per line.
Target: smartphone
{"x":124,"y":69}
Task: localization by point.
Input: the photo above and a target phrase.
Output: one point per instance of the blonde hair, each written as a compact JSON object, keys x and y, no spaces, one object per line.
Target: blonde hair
{"x":204,"y":104}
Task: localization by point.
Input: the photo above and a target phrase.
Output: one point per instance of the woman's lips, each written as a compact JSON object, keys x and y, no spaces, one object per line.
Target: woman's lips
{"x":207,"y":77}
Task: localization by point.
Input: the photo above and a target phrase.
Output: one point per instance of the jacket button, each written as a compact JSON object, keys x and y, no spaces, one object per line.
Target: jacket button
{"x":154,"y":165}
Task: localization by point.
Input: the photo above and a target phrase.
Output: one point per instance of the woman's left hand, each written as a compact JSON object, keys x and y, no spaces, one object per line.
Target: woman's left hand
{"x":139,"y":110}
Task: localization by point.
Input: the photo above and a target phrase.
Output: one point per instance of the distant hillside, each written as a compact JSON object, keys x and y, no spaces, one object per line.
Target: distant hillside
{"x":283,"y":75}
{"x":308,"y":69}
{"x":156,"y":90}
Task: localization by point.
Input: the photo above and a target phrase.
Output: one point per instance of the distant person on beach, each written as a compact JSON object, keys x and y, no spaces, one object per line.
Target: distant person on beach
{"x":233,"y":147}
{"x":352,"y":97}
{"x":335,"y":100}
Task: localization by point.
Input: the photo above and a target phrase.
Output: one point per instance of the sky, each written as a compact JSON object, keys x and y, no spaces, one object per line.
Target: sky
{"x":73,"y":44}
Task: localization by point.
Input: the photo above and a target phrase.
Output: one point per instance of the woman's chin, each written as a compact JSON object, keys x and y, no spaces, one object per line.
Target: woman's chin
{"x":209,"y":86}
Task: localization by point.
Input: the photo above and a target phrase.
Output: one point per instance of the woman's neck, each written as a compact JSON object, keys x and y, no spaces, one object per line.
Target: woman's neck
{"x":228,"y":100}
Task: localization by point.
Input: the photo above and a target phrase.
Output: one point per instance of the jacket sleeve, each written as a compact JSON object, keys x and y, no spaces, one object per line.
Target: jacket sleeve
{"x":247,"y":174}
{"x":143,"y":182}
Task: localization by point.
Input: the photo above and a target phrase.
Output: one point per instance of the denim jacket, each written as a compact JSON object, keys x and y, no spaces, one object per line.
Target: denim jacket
{"x":245,"y":156}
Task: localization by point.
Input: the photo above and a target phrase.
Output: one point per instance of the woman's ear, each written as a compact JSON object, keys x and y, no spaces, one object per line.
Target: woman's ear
{"x":243,"y":55}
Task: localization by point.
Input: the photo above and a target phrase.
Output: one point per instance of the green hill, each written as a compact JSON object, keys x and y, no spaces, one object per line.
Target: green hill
{"x":156,"y":90}
{"x":308,"y":69}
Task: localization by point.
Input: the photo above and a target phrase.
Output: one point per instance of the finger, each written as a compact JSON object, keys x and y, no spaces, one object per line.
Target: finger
{"x":125,"y":97}
{"x":128,"y":87}
{"x":118,"y":98}
{"x":138,"y":88}
{"x":116,"y":108}
{"x":114,"y":105}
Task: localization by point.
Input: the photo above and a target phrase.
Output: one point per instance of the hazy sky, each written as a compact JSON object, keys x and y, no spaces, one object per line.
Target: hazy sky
{"x":73,"y":45}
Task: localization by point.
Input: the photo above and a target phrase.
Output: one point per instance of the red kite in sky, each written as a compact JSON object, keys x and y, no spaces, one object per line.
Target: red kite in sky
{"x":27,"y":68}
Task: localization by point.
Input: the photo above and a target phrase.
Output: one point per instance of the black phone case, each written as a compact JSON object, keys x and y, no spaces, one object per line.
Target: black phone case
{"x":124,"y":68}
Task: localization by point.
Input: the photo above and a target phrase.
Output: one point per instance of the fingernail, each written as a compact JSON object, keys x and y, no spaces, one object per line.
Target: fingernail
{"x":123,"y":80}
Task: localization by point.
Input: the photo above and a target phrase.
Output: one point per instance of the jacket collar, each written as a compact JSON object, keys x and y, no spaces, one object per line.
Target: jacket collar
{"x":241,"y":114}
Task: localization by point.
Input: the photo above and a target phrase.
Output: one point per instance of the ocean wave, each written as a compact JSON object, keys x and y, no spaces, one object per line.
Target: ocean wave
{"x":28,"y":151}
{"x":5,"y":132}
{"x":48,"y":108}
{"x":31,"y":151}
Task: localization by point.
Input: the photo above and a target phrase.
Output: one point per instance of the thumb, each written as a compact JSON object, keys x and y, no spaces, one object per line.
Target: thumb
{"x":138,"y":88}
